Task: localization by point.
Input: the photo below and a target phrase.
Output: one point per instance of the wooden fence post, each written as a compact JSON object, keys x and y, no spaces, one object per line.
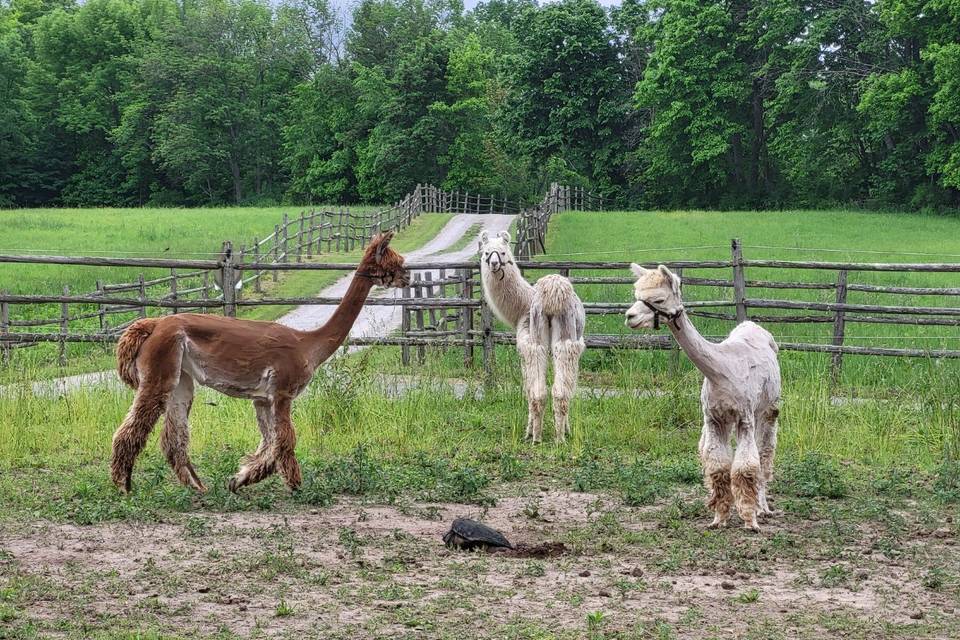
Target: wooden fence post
{"x":5,"y":328}
{"x":739,"y":280}
{"x":173,"y":289}
{"x":64,"y":320}
{"x":310,"y":235}
{"x":228,"y":279}
{"x":466,"y":317}
{"x":256,"y":258}
{"x":143,"y":296}
{"x":300,"y":240}
{"x":431,"y":293}
{"x":238,"y":275}
{"x":339,"y":227}
{"x":418,"y":294}
{"x":405,"y":328}
{"x":839,"y":319}
{"x":276,"y":249}
{"x":101,"y":309}
{"x":286,"y":238}
{"x":486,"y":326}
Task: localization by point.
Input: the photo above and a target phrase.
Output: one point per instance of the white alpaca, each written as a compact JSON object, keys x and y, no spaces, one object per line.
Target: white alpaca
{"x":548,"y":317}
{"x":740,"y":396}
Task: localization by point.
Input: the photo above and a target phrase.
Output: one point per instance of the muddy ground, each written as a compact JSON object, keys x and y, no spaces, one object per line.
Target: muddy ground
{"x":358,"y":570}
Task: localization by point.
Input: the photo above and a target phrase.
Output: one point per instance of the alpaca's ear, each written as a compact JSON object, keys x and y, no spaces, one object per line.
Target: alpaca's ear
{"x":674,"y":278}
{"x":385,"y":239}
{"x":637,"y":270}
{"x":505,"y":236}
{"x":484,"y":237}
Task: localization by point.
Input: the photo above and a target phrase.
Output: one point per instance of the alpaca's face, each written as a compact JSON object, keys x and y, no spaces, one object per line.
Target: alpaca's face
{"x":495,"y":251}
{"x":383,"y":265}
{"x":658,"y":288}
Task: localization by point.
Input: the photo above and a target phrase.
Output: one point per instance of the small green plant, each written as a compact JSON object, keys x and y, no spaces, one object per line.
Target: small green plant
{"x":283,"y":609}
{"x":749,"y":596}
{"x":595,"y":620}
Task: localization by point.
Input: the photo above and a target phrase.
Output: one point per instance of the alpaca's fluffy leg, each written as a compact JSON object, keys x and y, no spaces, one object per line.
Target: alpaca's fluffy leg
{"x":159,"y":368}
{"x":260,"y":464}
{"x":745,"y":474}
{"x":716,"y":459}
{"x":767,"y":442}
{"x":284,"y":443}
{"x":175,"y":437}
{"x":566,"y":366}
{"x":533,"y":364}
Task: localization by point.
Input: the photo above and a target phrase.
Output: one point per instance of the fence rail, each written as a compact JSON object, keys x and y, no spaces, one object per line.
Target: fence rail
{"x":443,"y":308}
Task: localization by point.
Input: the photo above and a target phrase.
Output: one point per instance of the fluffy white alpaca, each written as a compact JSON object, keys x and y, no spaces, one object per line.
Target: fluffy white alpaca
{"x":548,"y":317}
{"x":740,"y":396}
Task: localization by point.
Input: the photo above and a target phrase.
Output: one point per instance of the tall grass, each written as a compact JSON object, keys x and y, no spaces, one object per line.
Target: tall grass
{"x":346,"y":407}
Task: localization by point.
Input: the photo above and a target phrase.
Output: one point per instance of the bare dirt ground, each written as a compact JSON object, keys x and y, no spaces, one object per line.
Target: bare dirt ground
{"x":357,"y":570}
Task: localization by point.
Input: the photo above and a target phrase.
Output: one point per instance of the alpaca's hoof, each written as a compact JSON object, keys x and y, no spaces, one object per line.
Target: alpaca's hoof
{"x":717,"y":524}
{"x":234,"y":485}
{"x":751,"y":528}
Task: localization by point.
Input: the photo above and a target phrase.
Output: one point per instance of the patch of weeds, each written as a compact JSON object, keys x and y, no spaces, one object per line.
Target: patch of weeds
{"x":283,"y":609}
{"x":814,"y":475}
{"x":936,"y":579}
{"x":947,"y":482}
{"x":626,"y":585}
{"x":7,"y":613}
{"x":315,"y":490}
{"x":835,"y":576}
{"x":350,"y":541}
{"x":196,"y":527}
{"x":532,"y":509}
{"x":680,"y":509}
{"x":512,"y":468}
{"x":749,"y":596}
{"x":533,"y":569}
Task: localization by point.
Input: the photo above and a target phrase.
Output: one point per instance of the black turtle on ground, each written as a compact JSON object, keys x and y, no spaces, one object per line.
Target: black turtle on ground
{"x":470,"y":534}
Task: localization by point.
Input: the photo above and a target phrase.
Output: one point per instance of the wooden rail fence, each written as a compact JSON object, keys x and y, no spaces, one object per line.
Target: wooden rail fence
{"x":443,"y":307}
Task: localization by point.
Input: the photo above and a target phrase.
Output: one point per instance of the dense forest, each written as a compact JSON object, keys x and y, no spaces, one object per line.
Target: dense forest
{"x":655,"y":103}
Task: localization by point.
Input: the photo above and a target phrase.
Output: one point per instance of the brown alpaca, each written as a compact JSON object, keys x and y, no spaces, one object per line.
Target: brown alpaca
{"x":266,"y":362}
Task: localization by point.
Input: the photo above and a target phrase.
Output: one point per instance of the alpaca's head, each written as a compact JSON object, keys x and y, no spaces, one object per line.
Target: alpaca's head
{"x":382,"y":264}
{"x":657,"y":294}
{"x":495,"y":253}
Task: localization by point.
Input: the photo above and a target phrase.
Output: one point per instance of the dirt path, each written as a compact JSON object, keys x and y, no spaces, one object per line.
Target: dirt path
{"x":361,"y":570}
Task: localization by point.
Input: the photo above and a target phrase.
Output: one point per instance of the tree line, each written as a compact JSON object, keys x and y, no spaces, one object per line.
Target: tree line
{"x":654,"y":103}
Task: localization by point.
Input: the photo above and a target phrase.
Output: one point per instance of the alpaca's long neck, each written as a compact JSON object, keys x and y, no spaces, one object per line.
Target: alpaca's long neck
{"x":510,"y":296}
{"x":327,"y":339}
{"x":703,"y":353}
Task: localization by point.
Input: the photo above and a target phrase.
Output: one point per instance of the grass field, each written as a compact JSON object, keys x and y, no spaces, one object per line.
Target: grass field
{"x":868,"y":490}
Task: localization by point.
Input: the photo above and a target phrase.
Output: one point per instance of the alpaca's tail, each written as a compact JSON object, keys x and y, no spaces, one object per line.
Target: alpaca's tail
{"x":129,"y":346}
{"x":555,"y":294}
